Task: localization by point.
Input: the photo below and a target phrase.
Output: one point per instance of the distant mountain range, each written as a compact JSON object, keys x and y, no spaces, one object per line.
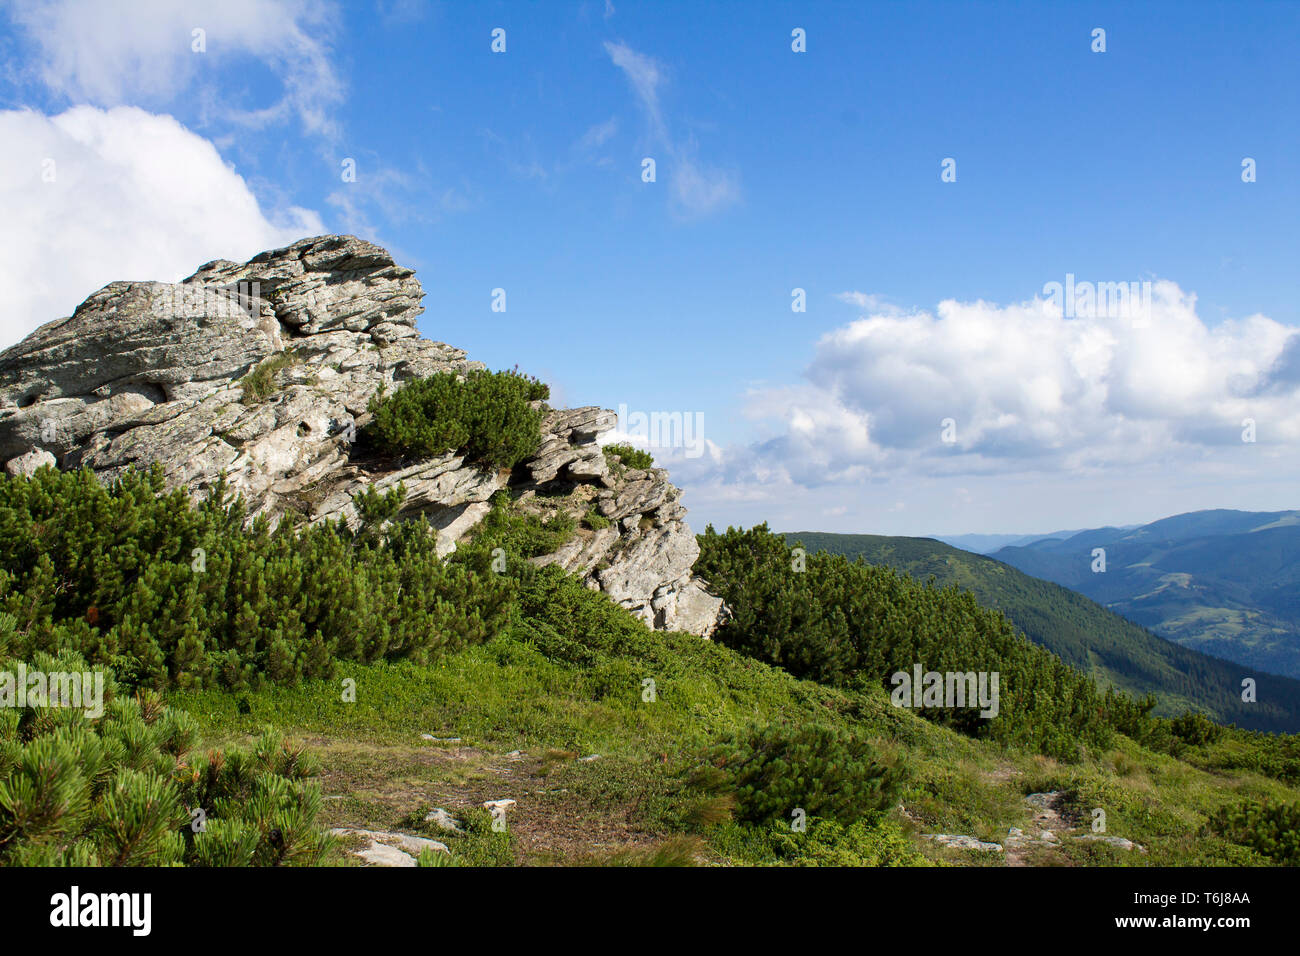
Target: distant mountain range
{"x":1082,"y":632}
{"x":1223,"y":582}
{"x":988,"y":543}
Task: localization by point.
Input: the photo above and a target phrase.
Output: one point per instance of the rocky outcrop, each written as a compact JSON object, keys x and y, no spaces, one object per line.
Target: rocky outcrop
{"x":261,"y":372}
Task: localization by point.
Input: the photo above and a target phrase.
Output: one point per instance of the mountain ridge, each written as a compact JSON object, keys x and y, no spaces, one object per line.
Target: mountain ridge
{"x":1082,"y":632}
{"x":1220,"y":581}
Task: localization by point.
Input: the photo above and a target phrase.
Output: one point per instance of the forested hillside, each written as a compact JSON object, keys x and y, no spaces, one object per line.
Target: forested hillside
{"x":1082,"y":633}
{"x":1226,"y":583}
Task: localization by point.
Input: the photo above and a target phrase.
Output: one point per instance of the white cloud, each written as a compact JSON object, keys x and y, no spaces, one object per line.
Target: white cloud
{"x":869,"y":302}
{"x":644,"y":73}
{"x":598,"y":135}
{"x":134,"y":196}
{"x":116,"y":52}
{"x":1031,"y":393}
{"x":697,"y":189}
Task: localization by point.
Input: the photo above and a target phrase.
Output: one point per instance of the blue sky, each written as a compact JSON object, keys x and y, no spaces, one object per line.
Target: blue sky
{"x":776,"y":170}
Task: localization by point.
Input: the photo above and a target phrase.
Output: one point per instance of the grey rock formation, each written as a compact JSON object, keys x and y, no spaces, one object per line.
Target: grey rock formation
{"x":388,"y":848}
{"x":958,"y":841}
{"x":147,"y":372}
{"x":1120,"y":843}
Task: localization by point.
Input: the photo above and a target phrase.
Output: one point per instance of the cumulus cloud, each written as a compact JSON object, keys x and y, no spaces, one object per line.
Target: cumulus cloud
{"x":116,"y":194}
{"x":116,"y":52}
{"x":697,"y":189}
{"x":1024,"y":389}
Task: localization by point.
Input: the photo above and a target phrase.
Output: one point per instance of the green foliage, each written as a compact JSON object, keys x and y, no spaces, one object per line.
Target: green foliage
{"x":168,"y":593}
{"x":1237,"y":593}
{"x":874,"y":840}
{"x":1273,"y":755}
{"x":259,"y":384}
{"x":568,"y":675}
{"x":1088,"y":636}
{"x":375,"y":507}
{"x":594,"y":520}
{"x":627,"y":456}
{"x":1195,"y":729}
{"x":1268,"y":827}
{"x":123,"y":789}
{"x":840,"y":622}
{"x":487,"y":416}
{"x":519,"y":533}
{"x":819,"y":768}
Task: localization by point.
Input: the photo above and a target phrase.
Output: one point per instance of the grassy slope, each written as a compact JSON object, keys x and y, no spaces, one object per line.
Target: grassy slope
{"x":1082,"y":633}
{"x":624,"y":807}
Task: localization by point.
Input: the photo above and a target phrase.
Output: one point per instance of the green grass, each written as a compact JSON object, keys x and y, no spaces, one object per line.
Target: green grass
{"x":630,"y":806}
{"x":259,"y":384}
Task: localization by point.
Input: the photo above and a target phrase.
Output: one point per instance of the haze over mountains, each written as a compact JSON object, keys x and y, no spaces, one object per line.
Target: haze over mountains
{"x":1221,"y":582}
{"x":989,"y":543}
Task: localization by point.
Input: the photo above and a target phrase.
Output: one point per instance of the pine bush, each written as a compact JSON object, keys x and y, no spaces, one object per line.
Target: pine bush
{"x":487,"y":416}
{"x":823,"y":770}
{"x":627,"y":456}
{"x":124,"y":789}
{"x":168,"y":593}
{"x":1267,"y":826}
{"x":842,"y":622}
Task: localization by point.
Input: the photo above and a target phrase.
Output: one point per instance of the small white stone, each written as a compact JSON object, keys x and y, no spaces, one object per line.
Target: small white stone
{"x":444,"y":820}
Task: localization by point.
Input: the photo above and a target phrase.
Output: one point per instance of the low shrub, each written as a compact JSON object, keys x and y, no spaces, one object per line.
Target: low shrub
{"x":627,"y":456}
{"x":817,"y":768}
{"x":1195,"y":729}
{"x":123,"y":790}
{"x":1267,"y":826}
{"x":840,"y":622}
{"x":166,"y":592}
{"x":487,"y":416}
{"x":519,"y":533}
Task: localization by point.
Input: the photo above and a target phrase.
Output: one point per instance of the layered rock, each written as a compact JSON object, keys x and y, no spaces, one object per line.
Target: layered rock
{"x":147,"y":372}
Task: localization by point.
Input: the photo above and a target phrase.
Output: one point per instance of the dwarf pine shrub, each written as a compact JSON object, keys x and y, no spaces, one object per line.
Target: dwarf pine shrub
{"x":169,"y":593}
{"x":487,"y":416}
{"x":627,"y":456}
{"x":1195,"y":729}
{"x":123,"y":789}
{"x":841,"y":622}
{"x":1268,"y":826}
{"x":820,"y":769}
